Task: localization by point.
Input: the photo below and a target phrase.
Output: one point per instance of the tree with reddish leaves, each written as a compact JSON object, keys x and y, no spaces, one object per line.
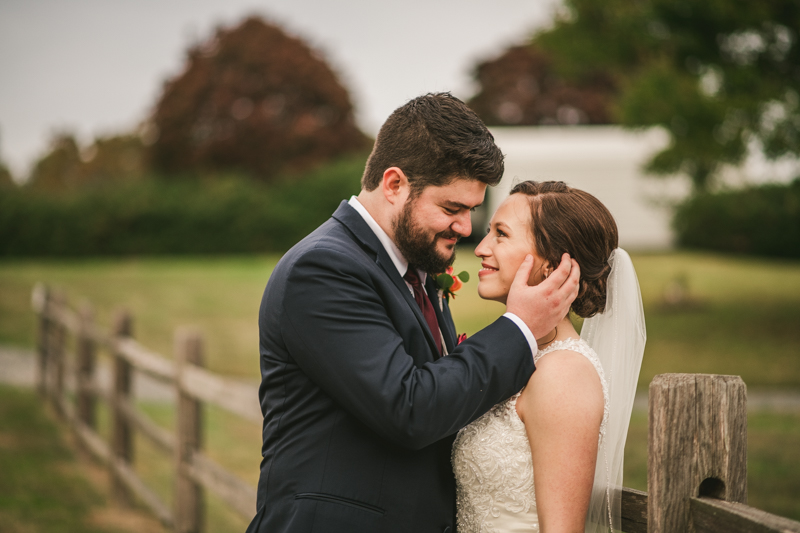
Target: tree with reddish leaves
{"x":522,"y":88}
{"x":252,"y":99}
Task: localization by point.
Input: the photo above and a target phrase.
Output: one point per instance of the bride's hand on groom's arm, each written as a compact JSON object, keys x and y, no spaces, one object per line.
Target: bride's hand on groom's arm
{"x":543,"y":306}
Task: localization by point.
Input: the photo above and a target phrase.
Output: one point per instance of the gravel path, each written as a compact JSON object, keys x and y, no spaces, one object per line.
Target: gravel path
{"x":18,"y":367}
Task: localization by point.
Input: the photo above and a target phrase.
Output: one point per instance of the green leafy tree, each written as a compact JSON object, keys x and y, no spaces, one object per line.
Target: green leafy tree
{"x":114,"y":159}
{"x":715,"y":74}
{"x":6,"y":179}
{"x":59,"y":168}
{"x":108,"y":160}
{"x":256,"y":100}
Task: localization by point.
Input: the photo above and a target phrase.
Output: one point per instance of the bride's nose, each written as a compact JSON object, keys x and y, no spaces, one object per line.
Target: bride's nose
{"x":483,"y":250}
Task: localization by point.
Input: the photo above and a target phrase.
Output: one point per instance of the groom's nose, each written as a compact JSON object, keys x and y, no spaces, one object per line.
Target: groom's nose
{"x":463,"y":224}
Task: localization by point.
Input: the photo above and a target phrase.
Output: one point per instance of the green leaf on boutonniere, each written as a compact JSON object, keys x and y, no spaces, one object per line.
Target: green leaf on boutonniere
{"x":444,"y":281}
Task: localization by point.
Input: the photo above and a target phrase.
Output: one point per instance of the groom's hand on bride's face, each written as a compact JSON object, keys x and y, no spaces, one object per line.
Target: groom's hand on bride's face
{"x":543,"y":306}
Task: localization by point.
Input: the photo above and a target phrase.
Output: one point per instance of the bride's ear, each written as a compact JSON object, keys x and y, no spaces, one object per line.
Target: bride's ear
{"x":547,"y":269}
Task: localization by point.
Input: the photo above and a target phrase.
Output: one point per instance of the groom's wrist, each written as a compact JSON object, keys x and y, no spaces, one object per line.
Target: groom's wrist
{"x":526,"y":331}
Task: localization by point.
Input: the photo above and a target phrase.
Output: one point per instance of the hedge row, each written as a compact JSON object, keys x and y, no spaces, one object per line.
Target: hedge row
{"x":226,"y":215}
{"x":763,"y":220}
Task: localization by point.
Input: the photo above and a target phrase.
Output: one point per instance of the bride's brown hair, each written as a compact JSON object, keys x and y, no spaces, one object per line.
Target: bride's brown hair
{"x":567,"y":220}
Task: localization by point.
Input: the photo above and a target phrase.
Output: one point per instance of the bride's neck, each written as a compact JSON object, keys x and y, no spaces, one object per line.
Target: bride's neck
{"x":563,"y":331}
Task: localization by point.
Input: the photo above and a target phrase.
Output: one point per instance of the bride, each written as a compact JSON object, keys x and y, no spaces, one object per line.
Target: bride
{"x":550,"y":458}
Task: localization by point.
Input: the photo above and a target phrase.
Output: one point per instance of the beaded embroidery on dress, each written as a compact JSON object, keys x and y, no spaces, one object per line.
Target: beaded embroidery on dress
{"x":493,"y":467}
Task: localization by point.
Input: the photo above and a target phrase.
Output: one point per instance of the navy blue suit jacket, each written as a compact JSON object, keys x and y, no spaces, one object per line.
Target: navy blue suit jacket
{"x":359,"y":410}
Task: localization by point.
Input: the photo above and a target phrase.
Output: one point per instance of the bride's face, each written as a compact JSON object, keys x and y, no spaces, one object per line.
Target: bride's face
{"x":504,"y":248}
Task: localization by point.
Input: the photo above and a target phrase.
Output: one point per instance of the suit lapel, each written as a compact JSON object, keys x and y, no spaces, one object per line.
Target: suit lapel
{"x":362,"y":232}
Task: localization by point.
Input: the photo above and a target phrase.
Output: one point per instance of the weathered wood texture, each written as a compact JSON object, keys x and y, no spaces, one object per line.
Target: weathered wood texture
{"x":697,"y":445}
{"x":710,"y":515}
{"x":121,"y":434}
{"x":633,"y":511}
{"x":188,"y":492}
{"x":84,"y":369}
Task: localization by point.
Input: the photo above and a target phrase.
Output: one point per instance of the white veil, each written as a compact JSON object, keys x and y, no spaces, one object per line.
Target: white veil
{"x":618,"y":337}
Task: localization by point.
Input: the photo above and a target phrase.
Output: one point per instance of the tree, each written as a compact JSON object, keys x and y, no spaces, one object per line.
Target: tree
{"x":6,"y":179}
{"x":252,"y":99}
{"x":716,"y":75}
{"x":59,"y":169}
{"x":521,"y":87}
{"x":116,"y":158}
{"x":108,"y":160}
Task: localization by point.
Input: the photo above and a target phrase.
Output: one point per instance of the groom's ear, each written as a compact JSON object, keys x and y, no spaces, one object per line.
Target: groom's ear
{"x":395,"y":186}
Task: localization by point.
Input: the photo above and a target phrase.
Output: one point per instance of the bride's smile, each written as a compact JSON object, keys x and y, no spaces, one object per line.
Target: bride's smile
{"x":504,"y":248}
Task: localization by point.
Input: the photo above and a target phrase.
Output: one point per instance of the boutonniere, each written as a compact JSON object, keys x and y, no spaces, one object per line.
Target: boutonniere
{"x":449,"y":283}
{"x":461,"y":338}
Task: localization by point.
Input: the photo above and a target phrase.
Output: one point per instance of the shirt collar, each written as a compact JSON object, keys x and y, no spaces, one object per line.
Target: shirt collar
{"x":400,"y":262}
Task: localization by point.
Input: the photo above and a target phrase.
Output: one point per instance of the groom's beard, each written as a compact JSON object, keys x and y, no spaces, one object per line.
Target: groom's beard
{"x":417,"y":246}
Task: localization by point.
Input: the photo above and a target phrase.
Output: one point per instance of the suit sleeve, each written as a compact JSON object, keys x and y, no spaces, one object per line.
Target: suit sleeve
{"x":338,"y":331}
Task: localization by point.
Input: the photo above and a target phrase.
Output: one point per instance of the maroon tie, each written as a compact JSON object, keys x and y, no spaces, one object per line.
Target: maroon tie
{"x":425,"y":305}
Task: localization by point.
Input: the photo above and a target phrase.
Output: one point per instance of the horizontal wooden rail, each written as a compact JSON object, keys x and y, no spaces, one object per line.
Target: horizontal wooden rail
{"x":192,"y":383}
{"x":142,"y":491}
{"x":233,"y":396}
{"x":633,"y":511}
{"x":102,"y":452}
{"x":151,"y":363}
{"x":67,"y":317}
{"x":710,"y":515}
{"x":157,"y":435}
{"x":229,"y":488}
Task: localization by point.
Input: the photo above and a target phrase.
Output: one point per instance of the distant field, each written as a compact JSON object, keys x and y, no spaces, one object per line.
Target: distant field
{"x":741,"y":317}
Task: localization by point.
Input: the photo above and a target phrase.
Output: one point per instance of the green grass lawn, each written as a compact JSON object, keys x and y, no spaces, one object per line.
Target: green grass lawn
{"x":44,"y":487}
{"x":744,"y":320}
{"x":741,"y":319}
{"x":218,"y":295}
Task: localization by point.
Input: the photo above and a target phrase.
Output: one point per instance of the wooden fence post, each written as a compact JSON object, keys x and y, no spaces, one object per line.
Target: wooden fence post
{"x":121,"y":431}
{"x":57,"y":353}
{"x":697,"y":446}
{"x":189,"y":499}
{"x":41,"y":304}
{"x":84,"y":368}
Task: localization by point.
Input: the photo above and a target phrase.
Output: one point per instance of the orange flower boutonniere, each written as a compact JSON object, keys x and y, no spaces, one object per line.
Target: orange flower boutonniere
{"x":449,"y":283}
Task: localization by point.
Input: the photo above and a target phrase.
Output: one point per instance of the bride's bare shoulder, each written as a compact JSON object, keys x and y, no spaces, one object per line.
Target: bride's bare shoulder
{"x":564,"y":381}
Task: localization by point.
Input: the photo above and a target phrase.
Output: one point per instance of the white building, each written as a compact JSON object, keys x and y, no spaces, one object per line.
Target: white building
{"x":607,"y":162}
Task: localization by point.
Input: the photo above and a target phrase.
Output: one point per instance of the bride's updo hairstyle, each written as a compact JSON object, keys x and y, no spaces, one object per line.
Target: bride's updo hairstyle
{"x":567,"y":220}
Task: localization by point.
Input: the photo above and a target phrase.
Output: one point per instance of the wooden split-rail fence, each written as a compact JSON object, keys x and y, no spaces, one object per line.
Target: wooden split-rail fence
{"x":697,"y":443}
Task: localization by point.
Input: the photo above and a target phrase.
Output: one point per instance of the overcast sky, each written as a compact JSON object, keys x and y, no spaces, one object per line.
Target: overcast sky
{"x":96,"y":67}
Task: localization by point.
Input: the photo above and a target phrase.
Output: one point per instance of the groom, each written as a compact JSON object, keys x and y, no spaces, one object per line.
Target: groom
{"x":360,"y":402}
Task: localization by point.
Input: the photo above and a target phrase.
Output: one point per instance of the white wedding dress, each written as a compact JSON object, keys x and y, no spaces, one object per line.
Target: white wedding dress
{"x":493,"y":466}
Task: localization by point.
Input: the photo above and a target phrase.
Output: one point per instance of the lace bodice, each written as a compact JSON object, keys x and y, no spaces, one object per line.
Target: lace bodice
{"x":493,"y":466}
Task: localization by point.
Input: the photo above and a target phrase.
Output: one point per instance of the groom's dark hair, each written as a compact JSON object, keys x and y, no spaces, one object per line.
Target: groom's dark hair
{"x":434,"y":139}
